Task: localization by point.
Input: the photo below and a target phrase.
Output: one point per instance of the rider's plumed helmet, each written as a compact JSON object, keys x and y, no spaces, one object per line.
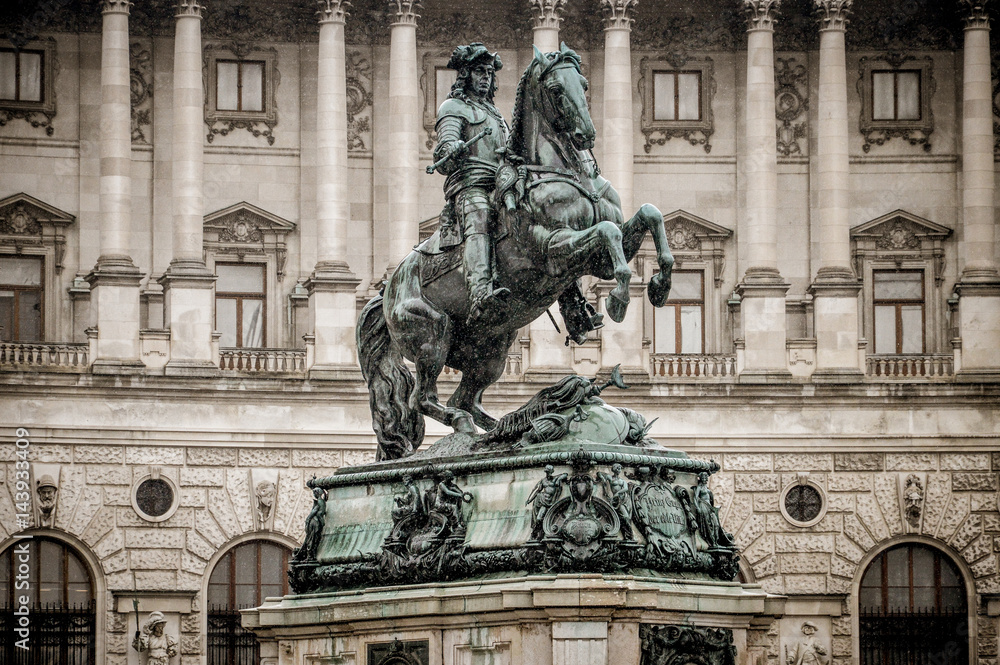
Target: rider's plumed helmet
{"x":468,"y":56}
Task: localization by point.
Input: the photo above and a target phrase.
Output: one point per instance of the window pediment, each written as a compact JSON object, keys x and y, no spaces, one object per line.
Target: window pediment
{"x":26,"y":221}
{"x":897,"y":237}
{"x":689,"y":233}
{"x":243,"y":229}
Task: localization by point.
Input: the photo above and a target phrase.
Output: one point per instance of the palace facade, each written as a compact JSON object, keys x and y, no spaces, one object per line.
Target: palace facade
{"x":196,"y":199}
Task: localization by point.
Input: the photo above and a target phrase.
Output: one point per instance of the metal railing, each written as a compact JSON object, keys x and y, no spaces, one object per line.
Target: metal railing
{"x":229,"y":643}
{"x":47,"y":355}
{"x":921,"y":637}
{"x":62,"y":635}
{"x":910,"y":367}
{"x":263,"y":361}
{"x":691,"y":366}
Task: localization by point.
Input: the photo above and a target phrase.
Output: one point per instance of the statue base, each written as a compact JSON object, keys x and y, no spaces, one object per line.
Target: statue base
{"x":544,"y":619}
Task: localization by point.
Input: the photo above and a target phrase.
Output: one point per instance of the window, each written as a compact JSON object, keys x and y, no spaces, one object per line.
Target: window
{"x":913,"y":609}
{"x":679,"y":326}
{"x":896,"y":95}
{"x":240,"y":299}
{"x":896,"y":92}
{"x":239,"y":85}
{"x":21,"y":75}
{"x":61,"y":604}
{"x":244,"y":577}
{"x":898,"y":298}
{"x":677,"y":100}
{"x":444,"y":78}
{"x":21,"y":298}
{"x":676,"y":95}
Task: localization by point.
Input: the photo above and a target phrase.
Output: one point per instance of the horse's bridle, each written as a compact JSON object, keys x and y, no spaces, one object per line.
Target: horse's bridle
{"x":559,"y":120}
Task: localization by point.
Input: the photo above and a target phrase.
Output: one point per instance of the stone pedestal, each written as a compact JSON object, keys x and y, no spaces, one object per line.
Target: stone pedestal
{"x":762,"y":316}
{"x":189,"y":298}
{"x":333,"y":314}
{"x":576,"y":619}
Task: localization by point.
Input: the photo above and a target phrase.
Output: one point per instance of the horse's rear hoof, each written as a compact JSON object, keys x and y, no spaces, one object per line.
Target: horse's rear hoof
{"x":658,"y":290}
{"x":616,"y":306}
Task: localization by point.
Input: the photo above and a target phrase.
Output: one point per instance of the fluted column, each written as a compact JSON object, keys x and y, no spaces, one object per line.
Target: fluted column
{"x":115,"y":278}
{"x":404,"y":125}
{"x":979,"y":284}
{"x":835,"y":288}
{"x":187,"y":283}
{"x":617,"y":161}
{"x":546,"y":15}
{"x":762,"y":289}
{"x":332,"y":285}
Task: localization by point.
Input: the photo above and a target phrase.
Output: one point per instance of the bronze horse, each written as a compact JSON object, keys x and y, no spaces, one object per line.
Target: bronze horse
{"x":567,"y":224}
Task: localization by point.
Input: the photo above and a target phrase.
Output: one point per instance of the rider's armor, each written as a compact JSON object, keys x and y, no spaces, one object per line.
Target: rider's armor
{"x":469,"y":185}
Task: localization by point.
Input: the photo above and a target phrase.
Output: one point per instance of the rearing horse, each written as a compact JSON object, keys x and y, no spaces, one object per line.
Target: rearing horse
{"x":567,"y":224}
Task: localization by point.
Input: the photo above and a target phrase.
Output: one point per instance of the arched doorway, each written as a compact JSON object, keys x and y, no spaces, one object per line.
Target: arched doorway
{"x":60,"y":594}
{"x":913,"y":609}
{"x":243,"y":577}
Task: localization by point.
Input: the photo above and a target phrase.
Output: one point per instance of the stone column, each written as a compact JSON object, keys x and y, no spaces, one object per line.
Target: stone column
{"x":979,"y":284}
{"x":546,"y":15}
{"x":332,"y":286}
{"x":835,"y":289}
{"x":187,"y":283}
{"x":762,"y":289}
{"x":404,"y":127}
{"x":115,"y":279}
{"x":617,"y":161}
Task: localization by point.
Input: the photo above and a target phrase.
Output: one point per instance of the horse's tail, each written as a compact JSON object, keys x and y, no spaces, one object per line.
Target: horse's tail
{"x":398,"y":426}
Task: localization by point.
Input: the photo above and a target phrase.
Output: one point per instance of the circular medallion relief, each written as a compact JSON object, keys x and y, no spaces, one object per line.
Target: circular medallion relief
{"x":154,"y":498}
{"x":803,"y":503}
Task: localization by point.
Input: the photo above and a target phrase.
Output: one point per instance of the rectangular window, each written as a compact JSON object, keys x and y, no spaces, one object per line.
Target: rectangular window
{"x":444,"y":78}
{"x":21,"y":291}
{"x":679,"y":326}
{"x":239,"y":85}
{"x":240,"y":304}
{"x":896,"y":95}
{"x":21,"y":75}
{"x":898,"y":298}
{"x":676,"y":95}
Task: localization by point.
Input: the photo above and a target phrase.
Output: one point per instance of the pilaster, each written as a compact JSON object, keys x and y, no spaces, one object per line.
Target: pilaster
{"x":546,"y":15}
{"x":115,"y":279}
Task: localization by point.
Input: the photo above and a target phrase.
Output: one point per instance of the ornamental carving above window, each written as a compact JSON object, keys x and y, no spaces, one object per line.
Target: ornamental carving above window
{"x":896,"y":92}
{"x":677,"y":94}
{"x":241,"y":82}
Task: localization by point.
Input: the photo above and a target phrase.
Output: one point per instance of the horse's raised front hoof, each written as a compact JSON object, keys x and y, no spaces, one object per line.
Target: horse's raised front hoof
{"x":617,"y":304}
{"x":658,"y":289}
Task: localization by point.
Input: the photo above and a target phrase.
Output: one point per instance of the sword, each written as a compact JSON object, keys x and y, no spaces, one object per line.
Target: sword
{"x":433,"y":167}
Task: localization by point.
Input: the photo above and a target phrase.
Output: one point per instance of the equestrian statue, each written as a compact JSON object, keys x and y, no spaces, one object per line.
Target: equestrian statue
{"x":527,"y":214}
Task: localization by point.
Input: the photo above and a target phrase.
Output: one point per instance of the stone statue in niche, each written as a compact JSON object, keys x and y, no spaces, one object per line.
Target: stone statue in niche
{"x":542,"y":497}
{"x":159,"y":646}
{"x":264,"y":493}
{"x":808,"y":650}
{"x":913,"y":499}
{"x":707,"y":514}
{"x":47,"y":496}
{"x":314,"y":527}
{"x":619,"y":491}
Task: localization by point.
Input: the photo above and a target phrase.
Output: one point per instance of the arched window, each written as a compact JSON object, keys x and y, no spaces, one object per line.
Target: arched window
{"x":913,"y":609}
{"x":243,"y":577}
{"x":61,"y":606}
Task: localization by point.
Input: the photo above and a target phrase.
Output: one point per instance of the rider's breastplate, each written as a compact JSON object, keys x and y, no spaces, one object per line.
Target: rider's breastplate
{"x":485,"y":149}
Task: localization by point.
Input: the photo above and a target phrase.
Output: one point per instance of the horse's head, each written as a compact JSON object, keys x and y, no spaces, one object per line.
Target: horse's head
{"x":563,"y":91}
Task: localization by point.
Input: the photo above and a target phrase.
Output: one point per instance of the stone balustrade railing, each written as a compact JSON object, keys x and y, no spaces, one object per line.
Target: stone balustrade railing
{"x":41,"y":355}
{"x":263,"y":361}
{"x":910,"y":367}
{"x":689,"y":366}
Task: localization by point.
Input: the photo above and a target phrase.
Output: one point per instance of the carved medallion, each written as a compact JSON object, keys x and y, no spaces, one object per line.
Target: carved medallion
{"x":580,"y":521}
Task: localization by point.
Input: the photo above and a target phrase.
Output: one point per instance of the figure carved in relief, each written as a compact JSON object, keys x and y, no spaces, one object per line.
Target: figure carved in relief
{"x":264,"y":491}
{"x":913,"y":499}
{"x":159,"y":646}
{"x":620,"y":494}
{"x":808,"y":650}
{"x":542,"y":497}
{"x":707,"y":514}
{"x":47,"y":494}
{"x":314,"y":527}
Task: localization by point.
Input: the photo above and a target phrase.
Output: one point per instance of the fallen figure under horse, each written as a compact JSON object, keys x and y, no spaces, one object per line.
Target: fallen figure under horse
{"x":559,"y":221}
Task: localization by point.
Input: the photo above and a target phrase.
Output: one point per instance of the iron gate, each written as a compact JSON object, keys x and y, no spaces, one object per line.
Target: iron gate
{"x":57,"y":636}
{"x":228,"y":642}
{"x":920,"y":637}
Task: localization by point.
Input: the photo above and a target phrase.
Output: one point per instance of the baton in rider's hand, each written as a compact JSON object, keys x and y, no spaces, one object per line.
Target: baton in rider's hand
{"x":433,"y":167}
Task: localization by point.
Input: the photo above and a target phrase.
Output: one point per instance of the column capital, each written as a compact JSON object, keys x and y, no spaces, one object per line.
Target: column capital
{"x":618,"y":13}
{"x":332,"y":11}
{"x":546,"y":13}
{"x":974,"y":14}
{"x":405,"y":11}
{"x":189,"y":8}
{"x":761,"y":14}
{"x":115,"y":6}
{"x":833,"y":14}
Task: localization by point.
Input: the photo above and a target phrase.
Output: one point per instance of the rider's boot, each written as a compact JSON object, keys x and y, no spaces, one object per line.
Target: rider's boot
{"x":486,"y":301}
{"x":579,"y":315}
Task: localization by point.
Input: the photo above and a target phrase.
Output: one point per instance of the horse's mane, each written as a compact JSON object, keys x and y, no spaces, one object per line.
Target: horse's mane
{"x":516,"y":144}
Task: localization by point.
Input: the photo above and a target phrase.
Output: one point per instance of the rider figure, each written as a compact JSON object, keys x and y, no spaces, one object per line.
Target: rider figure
{"x":471,"y":167}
